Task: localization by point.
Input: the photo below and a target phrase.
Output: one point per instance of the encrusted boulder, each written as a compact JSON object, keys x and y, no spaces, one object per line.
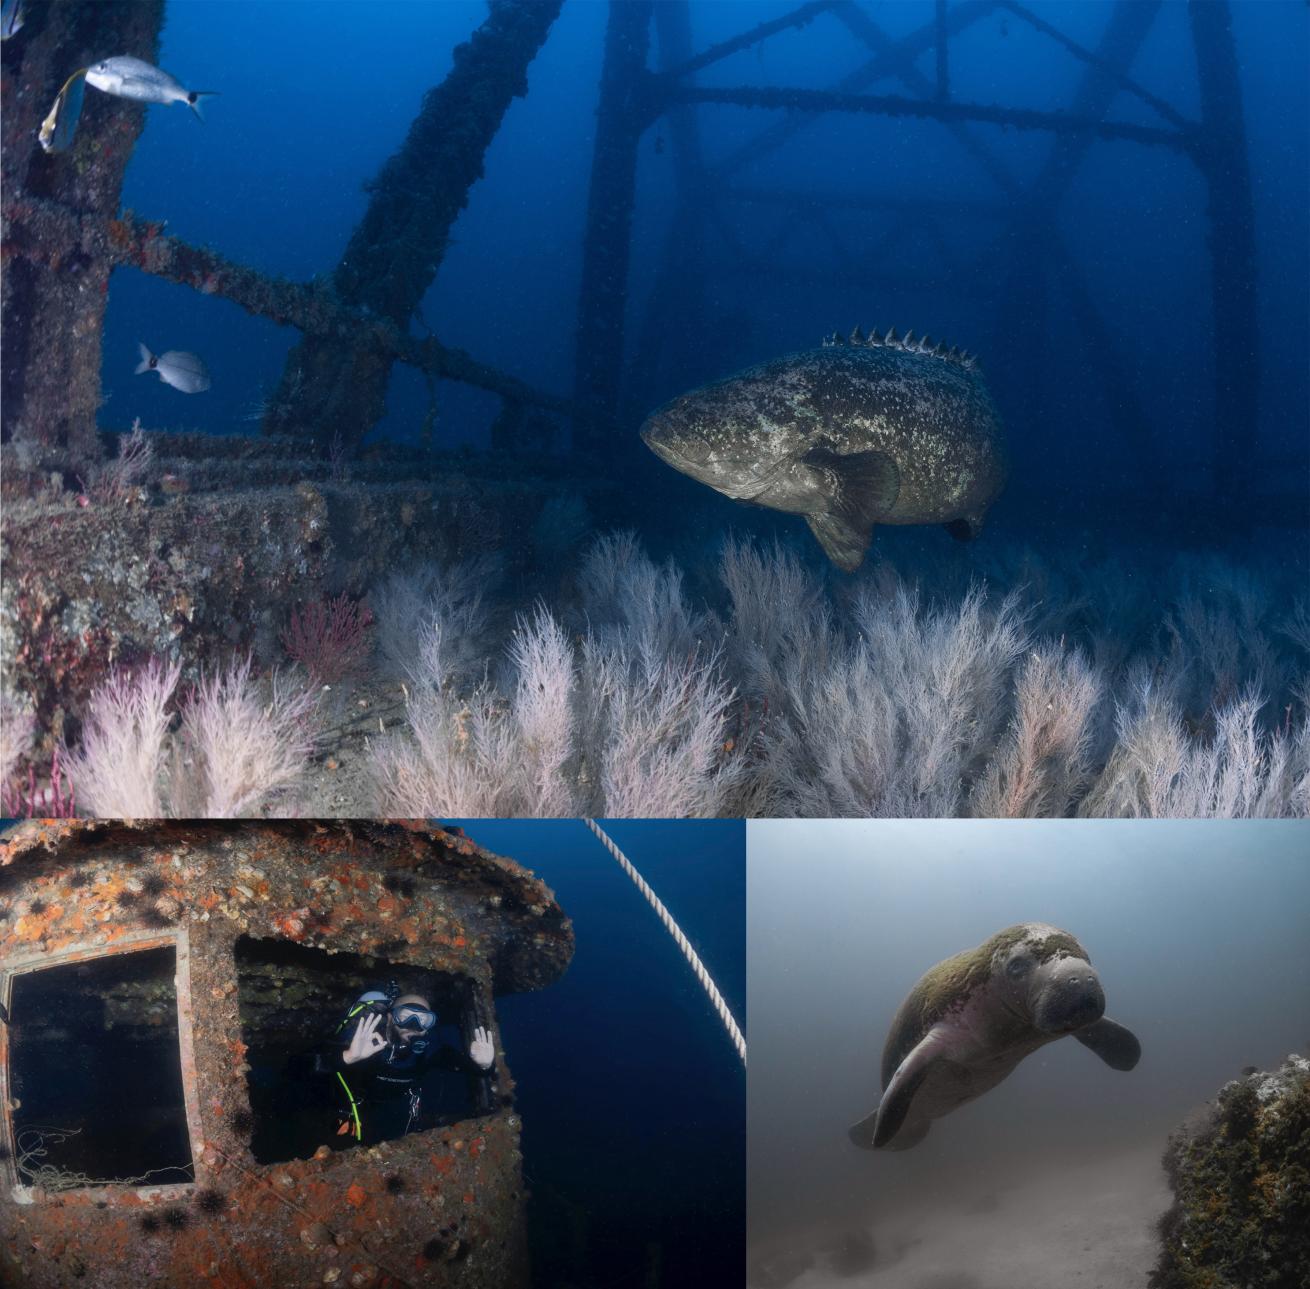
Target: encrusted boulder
{"x":1240,"y":1170}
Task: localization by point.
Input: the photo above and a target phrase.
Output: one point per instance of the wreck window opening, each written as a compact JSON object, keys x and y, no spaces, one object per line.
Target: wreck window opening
{"x":94,"y":1072}
{"x":293,"y":1001}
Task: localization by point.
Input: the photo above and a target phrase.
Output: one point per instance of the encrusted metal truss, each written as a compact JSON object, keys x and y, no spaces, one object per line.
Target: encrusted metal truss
{"x":63,"y":233}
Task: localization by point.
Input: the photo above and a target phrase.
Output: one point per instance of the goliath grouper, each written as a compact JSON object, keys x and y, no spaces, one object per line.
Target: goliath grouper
{"x":877,"y":429}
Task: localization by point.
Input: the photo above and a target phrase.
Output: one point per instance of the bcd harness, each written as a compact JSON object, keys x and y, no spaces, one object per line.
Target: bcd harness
{"x":353,"y":1123}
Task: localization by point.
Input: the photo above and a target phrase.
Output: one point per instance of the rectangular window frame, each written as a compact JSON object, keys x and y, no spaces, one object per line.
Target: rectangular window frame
{"x":179,"y":940}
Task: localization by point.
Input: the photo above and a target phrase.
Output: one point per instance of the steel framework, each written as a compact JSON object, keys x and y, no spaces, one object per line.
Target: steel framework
{"x":1214,"y":144}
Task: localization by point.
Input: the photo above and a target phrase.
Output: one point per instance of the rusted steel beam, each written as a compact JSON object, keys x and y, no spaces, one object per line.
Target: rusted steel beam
{"x":622,"y":113}
{"x":904,"y":68}
{"x":804,"y":279}
{"x":395,"y":251}
{"x":52,"y":237}
{"x":1118,"y":74}
{"x":943,"y":45}
{"x":944,"y":206}
{"x":53,"y":314}
{"x":675,"y":308}
{"x":803,"y":100}
{"x":1222,"y":156}
{"x":900,"y":53}
{"x":1125,"y":30}
{"x":1035,"y":239}
{"x":716,"y":53}
{"x":1123,"y":404}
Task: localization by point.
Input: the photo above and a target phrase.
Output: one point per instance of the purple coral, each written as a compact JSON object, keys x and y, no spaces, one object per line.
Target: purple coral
{"x":329,"y":638}
{"x":27,"y":801}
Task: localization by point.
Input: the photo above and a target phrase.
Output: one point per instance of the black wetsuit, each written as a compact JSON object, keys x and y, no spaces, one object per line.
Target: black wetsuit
{"x":377,"y":1096}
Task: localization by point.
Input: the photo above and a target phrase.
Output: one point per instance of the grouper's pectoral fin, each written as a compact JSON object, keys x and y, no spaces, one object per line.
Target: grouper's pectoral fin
{"x":842,"y":542}
{"x":863,"y":487}
{"x":1116,"y":1046}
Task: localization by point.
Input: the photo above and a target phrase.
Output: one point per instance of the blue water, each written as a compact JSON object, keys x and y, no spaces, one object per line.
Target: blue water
{"x":632,"y":1096}
{"x":315,"y":97}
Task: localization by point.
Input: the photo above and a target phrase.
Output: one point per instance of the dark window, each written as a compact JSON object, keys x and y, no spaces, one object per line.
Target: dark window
{"x":95,"y":1073}
{"x":295,"y":1005}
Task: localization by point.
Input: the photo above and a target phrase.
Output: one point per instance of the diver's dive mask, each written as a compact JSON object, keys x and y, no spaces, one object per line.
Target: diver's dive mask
{"x":411,"y":1023}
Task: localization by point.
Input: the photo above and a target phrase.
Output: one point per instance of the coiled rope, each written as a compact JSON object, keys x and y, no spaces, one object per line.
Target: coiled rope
{"x":707,"y":981}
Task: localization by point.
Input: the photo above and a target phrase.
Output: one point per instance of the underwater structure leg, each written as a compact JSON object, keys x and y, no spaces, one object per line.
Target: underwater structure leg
{"x":1222,"y":157}
{"x":335,"y":389}
{"x":621,"y":116}
{"x":678,"y":290}
{"x":53,"y":292}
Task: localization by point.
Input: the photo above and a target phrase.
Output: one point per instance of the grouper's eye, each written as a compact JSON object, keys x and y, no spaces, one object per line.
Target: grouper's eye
{"x":1018,"y":967}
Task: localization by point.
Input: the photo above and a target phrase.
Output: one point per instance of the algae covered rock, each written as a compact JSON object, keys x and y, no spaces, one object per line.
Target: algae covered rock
{"x":1240,"y":1170}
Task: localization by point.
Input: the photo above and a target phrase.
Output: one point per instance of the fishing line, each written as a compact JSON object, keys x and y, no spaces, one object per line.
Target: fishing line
{"x":707,"y":981}
{"x":34,"y":1142}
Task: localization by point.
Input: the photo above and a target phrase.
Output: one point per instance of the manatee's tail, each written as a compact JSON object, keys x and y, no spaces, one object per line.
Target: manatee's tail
{"x":194,"y":97}
{"x":146,"y":359}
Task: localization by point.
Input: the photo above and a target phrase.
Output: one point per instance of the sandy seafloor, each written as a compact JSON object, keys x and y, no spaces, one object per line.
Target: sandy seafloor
{"x":1081,"y":1225}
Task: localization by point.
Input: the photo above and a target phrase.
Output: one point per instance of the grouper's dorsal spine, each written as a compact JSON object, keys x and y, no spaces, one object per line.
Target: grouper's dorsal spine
{"x":877,"y":339}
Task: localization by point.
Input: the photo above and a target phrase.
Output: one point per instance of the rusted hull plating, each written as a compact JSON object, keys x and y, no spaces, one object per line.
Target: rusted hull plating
{"x":457,"y":1217}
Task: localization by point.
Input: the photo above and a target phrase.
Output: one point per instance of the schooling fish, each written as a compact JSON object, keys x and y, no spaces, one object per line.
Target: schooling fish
{"x":883,"y":429}
{"x":127,"y":77}
{"x":181,"y":370}
{"x":11,"y":18}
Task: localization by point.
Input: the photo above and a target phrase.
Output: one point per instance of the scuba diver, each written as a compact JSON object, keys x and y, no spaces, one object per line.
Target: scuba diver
{"x":379,"y":1055}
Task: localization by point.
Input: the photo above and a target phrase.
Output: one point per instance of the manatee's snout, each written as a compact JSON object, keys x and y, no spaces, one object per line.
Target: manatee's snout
{"x":1070,"y":997}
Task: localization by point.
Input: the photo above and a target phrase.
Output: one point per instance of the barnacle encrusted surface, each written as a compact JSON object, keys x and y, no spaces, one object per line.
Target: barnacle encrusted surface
{"x":1240,"y":1170}
{"x":459,"y":910}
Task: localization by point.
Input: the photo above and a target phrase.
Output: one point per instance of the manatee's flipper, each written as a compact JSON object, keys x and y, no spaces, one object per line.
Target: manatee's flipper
{"x":865,"y":485}
{"x":862,"y":1134}
{"x":877,"y":1129}
{"x":1116,"y":1046}
{"x":963,"y":530}
{"x":842,"y":542}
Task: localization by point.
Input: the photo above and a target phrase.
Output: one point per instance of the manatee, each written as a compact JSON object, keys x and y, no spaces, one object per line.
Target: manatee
{"x":867,"y":430}
{"x":972,"y":1018}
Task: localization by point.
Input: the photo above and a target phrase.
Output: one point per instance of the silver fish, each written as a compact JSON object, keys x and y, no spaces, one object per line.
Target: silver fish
{"x":181,"y":370}
{"x":127,"y":77}
{"x":11,"y":18}
{"x":57,"y":130}
{"x":877,"y":429}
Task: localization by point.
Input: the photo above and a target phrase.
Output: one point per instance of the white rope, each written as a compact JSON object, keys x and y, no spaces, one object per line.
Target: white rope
{"x":734,"y":1030}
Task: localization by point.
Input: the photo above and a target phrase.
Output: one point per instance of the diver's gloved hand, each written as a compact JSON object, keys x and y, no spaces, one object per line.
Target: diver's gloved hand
{"x":482,"y":1049}
{"x":366,"y":1041}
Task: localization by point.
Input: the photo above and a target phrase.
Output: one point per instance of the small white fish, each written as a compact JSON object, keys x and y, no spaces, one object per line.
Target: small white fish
{"x":181,"y":370}
{"x":11,"y":18}
{"x":56,"y":132}
{"x":127,"y":77}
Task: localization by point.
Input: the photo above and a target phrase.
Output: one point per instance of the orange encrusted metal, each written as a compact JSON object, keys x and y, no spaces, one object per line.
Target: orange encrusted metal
{"x":438,"y":1207}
